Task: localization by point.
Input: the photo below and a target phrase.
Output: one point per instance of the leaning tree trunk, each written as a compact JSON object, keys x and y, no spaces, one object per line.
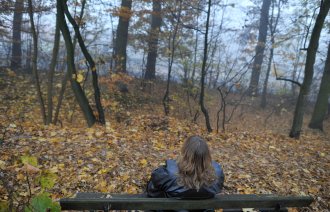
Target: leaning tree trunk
{"x":321,"y":105}
{"x":156,"y":22}
{"x":97,"y":94}
{"x":309,"y":71}
{"x":77,"y":90}
{"x":16,"y":57}
{"x":260,"y":48}
{"x":122,"y":36}
{"x":66,"y":75}
{"x":203,"y":75}
{"x":35,"y":62}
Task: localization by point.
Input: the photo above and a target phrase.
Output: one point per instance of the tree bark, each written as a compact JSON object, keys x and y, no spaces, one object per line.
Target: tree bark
{"x":77,"y":90}
{"x":122,"y":36}
{"x":51,"y":74}
{"x":272,"y":28}
{"x":203,"y":74}
{"x":156,"y":22}
{"x":309,"y":70}
{"x":97,"y":94}
{"x":260,"y":48}
{"x":321,"y":105}
{"x":35,"y":62}
{"x":16,"y":57}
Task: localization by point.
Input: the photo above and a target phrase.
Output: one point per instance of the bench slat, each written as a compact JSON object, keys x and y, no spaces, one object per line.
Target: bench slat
{"x":97,"y":201}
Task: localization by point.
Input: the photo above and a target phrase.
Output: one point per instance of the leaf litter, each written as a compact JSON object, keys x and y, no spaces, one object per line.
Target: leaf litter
{"x":119,"y":157}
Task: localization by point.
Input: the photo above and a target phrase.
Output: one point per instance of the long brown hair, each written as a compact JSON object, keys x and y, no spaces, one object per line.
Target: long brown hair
{"x":195,"y":164}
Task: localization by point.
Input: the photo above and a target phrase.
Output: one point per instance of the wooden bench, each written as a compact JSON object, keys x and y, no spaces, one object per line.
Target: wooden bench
{"x":106,"y":202}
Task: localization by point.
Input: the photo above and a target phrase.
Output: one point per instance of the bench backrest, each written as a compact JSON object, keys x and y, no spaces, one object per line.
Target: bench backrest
{"x":102,"y":201}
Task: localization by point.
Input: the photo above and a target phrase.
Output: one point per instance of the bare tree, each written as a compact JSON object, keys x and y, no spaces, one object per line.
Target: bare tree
{"x":16,"y":57}
{"x":172,"y":46}
{"x":91,"y":63}
{"x":203,"y":74}
{"x":51,"y":74}
{"x":309,"y":70}
{"x":156,"y":22}
{"x":272,"y":28}
{"x":35,"y":61}
{"x":77,"y":90}
{"x":122,"y":36}
{"x":256,"y":69}
{"x":321,"y":105}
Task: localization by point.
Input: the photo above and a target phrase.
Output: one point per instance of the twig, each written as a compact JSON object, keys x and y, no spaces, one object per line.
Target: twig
{"x":285,"y":79}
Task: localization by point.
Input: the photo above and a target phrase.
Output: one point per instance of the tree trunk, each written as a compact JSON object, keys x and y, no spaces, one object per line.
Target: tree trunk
{"x":264,"y":90}
{"x":35,"y":62}
{"x":272,"y":27}
{"x":51,"y":74}
{"x":91,"y":63}
{"x":172,"y":47}
{"x":254,"y":81}
{"x":122,"y":36}
{"x":203,"y":74}
{"x":66,"y":75}
{"x":321,"y":105}
{"x":296,"y":65}
{"x":309,"y":71}
{"x":77,"y":90}
{"x":16,"y":56}
{"x":156,"y":22}
{"x":195,"y":54}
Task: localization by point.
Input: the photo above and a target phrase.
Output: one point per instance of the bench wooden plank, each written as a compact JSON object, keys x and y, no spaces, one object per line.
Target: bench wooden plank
{"x":99,"y":201}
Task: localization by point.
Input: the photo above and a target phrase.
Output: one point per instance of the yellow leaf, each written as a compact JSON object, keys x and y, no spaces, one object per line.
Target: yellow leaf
{"x":61,"y":165}
{"x":53,"y":133}
{"x":102,"y":171}
{"x":143,"y":162}
{"x":20,"y":176}
{"x":132,"y":190}
{"x":102,"y":186}
{"x":57,"y":139}
{"x":26,"y":159}
{"x":95,"y":160}
{"x":54,"y":169}
{"x":242,"y":176}
{"x":313,"y":190}
{"x":2,"y":164}
{"x":80,"y":78}
{"x":99,"y":134}
{"x":11,"y":73}
{"x":124,"y":178}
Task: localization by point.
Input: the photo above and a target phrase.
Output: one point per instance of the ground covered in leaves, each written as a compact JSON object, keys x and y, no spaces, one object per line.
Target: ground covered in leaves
{"x":120,"y":156}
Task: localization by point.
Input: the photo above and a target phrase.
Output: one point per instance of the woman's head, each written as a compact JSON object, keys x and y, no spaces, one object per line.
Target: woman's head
{"x":195,"y":164}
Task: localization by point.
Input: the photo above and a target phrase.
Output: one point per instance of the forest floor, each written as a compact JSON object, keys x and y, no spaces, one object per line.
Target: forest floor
{"x":120,"y":156}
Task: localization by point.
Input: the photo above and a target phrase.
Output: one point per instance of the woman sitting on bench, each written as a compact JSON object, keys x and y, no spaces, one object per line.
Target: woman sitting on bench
{"x":193,"y":176}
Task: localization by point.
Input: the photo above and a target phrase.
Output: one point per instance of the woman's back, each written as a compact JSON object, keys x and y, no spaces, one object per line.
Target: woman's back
{"x":164,"y":183}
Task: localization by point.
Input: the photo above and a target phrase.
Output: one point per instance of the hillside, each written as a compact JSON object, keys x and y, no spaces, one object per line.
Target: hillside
{"x":256,"y":154}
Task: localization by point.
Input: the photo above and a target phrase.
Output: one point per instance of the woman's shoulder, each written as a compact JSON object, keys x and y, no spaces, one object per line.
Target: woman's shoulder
{"x":217,"y":167}
{"x":165,"y":171}
{"x":171,"y":166}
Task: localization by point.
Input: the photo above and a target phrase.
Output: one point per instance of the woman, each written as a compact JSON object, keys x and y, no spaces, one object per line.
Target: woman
{"x":193,"y":176}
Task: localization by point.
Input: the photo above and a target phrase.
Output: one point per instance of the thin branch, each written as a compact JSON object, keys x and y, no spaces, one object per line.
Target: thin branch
{"x":285,"y":79}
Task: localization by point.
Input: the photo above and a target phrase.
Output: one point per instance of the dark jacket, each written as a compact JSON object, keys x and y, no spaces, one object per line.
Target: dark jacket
{"x":163,"y":183}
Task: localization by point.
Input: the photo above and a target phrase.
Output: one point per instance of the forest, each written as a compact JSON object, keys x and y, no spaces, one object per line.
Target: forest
{"x":95,"y":95}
